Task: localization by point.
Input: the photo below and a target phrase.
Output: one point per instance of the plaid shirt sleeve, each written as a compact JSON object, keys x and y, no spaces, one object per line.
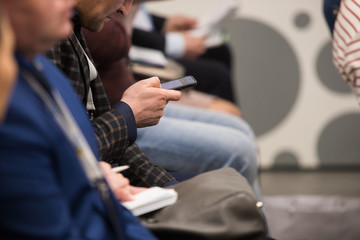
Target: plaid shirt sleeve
{"x":142,"y":172}
{"x":110,"y":126}
{"x":114,"y":145}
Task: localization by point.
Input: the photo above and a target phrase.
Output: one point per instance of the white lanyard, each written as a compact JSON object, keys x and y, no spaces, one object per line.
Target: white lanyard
{"x":65,"y":120}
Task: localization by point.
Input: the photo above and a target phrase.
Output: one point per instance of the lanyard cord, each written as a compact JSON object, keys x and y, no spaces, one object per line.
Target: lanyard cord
{"x":63,"y":117}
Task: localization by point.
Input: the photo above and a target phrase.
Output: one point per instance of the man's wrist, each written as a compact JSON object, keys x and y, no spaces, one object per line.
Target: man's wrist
{"x":125,"y":110}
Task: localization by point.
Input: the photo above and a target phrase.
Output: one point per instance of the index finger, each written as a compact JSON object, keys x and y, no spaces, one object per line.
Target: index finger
{"x":152,"y":81}
{"x":171,"y":95}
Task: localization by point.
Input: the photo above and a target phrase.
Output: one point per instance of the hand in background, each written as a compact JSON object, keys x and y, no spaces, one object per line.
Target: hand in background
{"x":179,"y":23}
{"x":194,"y":46}
{"x":119,"y":184}
{"x":147,"y":100}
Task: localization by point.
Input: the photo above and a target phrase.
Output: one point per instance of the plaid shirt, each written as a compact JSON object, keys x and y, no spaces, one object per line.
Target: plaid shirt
{"x":110,"y":126}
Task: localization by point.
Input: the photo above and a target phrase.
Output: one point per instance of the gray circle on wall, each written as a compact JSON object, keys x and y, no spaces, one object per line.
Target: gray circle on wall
{"x":339,"y":142}
{"x":302,"y":20}
{"x":266,"y":73}
{"x":286,"y":160}
{"x":327,"y":73}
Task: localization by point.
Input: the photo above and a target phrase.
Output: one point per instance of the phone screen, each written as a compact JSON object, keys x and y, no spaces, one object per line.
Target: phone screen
{"x":180,"y":83}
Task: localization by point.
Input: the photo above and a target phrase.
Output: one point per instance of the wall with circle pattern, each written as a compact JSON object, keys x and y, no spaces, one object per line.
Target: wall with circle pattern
{"x":303,"y":114}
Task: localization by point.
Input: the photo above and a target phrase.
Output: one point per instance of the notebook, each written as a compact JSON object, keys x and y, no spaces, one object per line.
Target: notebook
{"x":150,"y":200}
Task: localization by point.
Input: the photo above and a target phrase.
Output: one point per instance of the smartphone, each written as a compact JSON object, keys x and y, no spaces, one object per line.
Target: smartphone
{"x":179,"y":84}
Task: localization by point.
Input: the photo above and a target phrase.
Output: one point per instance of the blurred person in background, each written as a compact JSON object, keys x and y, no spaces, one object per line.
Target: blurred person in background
{"x":210,"y":65}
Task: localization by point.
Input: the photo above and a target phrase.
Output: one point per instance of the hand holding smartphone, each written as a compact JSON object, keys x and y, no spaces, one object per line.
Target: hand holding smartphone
{"x":180,"y":84}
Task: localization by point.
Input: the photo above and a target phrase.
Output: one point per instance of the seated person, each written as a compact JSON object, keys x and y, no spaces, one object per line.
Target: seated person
{"x":142,"y":104}
{"x":186,"y":139}
{"x":210,"y":66}
{"x":46,"y":193}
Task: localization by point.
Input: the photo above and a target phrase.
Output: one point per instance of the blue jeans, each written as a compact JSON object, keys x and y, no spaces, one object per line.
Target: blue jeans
{"x":189,"y":139}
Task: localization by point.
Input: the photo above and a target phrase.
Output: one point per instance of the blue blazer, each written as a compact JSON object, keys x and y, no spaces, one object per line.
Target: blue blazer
{"x":44,"y":193}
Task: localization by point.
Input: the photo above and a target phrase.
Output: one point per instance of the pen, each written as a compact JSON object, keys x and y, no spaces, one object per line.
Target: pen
{"x":120,"y":168}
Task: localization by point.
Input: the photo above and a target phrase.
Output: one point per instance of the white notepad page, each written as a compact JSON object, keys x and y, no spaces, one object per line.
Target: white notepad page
{"x":150,"y":200}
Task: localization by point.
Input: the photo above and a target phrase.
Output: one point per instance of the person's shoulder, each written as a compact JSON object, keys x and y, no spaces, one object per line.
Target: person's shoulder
{"x":60,"y":47}
{"x":51,"y":71}
{"x":44,"y":61}
{"x":54,"y":76}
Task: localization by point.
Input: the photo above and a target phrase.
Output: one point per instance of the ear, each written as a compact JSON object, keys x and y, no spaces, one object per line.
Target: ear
{"x":125,"y":8}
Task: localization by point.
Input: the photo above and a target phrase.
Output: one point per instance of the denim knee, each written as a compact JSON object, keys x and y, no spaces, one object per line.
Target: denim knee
{"x":243,"y":158}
